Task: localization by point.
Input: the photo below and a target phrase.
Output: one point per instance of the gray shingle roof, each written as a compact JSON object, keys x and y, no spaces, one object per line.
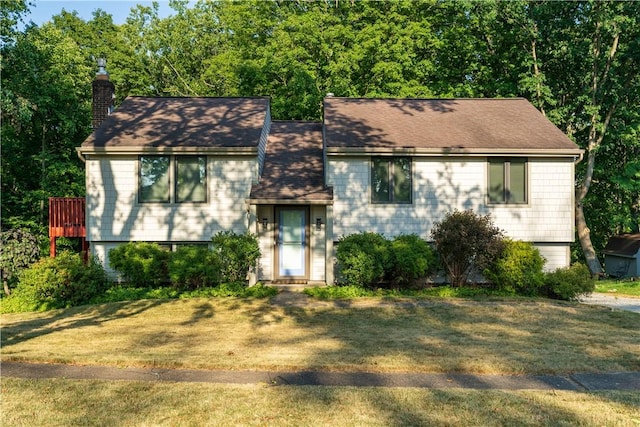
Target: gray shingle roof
{"x":150,"y":122}
{"x":623,"y":244}
{"x":440,"y":125}
{"x":293,"y":168}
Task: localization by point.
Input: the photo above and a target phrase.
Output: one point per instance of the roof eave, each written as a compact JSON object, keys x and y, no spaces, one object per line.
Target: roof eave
{"x":454,"y":151}
{"x":167,"y":150}
{"x":298,"y":201}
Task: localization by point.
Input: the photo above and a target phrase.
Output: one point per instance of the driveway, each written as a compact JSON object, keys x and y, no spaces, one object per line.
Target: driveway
{"x":615,"y":302}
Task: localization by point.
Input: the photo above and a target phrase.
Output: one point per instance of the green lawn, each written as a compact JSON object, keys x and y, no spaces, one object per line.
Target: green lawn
{"x":619,"y":287}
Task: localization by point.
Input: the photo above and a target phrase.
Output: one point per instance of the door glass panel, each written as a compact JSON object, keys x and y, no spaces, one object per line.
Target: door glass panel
{"x":292,"y":259}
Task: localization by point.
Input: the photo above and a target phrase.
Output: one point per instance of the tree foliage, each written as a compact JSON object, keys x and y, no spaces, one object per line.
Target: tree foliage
{"x":578,"y":63}
{"x":18,"y":250}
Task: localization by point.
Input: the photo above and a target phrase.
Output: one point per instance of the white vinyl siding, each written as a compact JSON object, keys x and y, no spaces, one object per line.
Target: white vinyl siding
{"x":442,"y":185}
{"x":114,"y":213}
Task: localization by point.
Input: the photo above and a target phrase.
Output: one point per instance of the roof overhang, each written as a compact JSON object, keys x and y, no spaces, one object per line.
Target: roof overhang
{"x":166,"y":150}
{"x":289,"y":202}
{"x":452,"y":151}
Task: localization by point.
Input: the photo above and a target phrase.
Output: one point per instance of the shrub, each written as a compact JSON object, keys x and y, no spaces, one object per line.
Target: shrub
{"x":193,"y":267}
{"x":63,"y":281}
{"x":140,"y":263}
{"x":466,"y":242}
{"x":363,"y":259}
{"x":569,"y":283}
{"x":18,"y":250}
{"x":237,"y":254}
{"x":413,"y":259}
{"x":518,"y":270}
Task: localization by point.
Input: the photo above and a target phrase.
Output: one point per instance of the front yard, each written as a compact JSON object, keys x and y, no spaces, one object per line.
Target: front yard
{"x":498,"y":336}
{"x":503,"y":336}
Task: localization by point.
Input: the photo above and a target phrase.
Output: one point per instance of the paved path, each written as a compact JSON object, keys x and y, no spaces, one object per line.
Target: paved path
{"x":615,"y":302}
{"x":575,"y":382}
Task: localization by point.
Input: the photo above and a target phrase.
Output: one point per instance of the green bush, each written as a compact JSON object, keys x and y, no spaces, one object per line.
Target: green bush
{"x":192,"y":267}
{"x":18,"y":250}
{"x":413,"y":259}
{"x":63,"y":281}
{"x":237,"y":255}
{"x":466,"y":242}
{"x":518,"y":270}
{"x":363,"y":259}
{"x":140,"y":263}
{"x":569,"y":283}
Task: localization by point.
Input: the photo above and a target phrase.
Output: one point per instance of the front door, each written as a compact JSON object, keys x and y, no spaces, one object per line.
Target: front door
{"x":292,"y":243}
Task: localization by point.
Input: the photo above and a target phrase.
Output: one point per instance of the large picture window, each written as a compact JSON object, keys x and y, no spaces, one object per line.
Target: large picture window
{"x":156,"y":177}
{"x":391,"y":180}
{"x":508,"y":181}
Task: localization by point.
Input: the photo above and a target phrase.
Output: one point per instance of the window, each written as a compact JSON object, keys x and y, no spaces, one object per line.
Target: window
{"x":508,"y":181}
{"x":190,"y":176}
{"x":154,"y":179}
{"x":391,"y":180}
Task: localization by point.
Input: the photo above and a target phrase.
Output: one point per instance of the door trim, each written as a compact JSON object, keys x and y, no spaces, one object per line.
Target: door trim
{"x":307,"y":238}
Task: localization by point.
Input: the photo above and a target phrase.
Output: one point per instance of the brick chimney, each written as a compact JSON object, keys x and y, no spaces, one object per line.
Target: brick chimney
{"x":103,"y":94}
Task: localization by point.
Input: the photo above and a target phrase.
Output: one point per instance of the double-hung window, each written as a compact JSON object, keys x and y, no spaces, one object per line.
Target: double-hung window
{"x":188,"y":175}
{"x":391,"y":180}
{"x":508,"y":181}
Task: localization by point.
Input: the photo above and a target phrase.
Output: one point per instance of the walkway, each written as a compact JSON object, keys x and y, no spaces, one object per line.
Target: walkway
{"x":612,"y":301}
{"x":573,"y":382}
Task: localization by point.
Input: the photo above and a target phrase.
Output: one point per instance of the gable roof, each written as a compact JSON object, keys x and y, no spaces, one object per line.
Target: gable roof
{"x":152,"y":123}
{"x":441,"y":125}
{"x":293,"y":165}
{"x":623,"y":244}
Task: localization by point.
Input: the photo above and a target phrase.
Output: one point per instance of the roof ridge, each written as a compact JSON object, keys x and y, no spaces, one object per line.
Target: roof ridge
{"x":514,"y":98}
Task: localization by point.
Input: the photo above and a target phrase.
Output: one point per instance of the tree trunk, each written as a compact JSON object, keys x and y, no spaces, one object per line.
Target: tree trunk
{"x":5,"y":283}
{"x":584,"y":236}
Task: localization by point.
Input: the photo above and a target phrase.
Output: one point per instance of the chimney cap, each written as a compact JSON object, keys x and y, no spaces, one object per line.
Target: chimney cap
{"x":102,"y":71}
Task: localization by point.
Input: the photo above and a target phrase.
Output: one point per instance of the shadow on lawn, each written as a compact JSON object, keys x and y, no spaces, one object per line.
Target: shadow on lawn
{"x":58,"y":320}
{"x":436,"y":337}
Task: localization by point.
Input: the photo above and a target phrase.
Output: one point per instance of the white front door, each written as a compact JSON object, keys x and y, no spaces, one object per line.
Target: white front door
{"x":292,"y":253}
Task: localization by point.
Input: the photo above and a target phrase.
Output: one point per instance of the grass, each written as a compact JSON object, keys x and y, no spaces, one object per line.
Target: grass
{"x":506,"y":336}
{"x":60,"y":402}
{"x":619,"y":287}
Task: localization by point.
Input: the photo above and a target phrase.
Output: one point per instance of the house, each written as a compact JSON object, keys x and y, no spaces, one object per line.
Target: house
{"x":622,"y":255}
{"x":178,"y":170}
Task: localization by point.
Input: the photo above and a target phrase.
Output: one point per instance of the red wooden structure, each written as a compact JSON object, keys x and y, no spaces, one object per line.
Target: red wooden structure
{"x":67,"y":219}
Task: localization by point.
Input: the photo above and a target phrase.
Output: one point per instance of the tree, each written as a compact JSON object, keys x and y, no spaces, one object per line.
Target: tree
{"x":18,"y":251}
{"x":600,"y":43}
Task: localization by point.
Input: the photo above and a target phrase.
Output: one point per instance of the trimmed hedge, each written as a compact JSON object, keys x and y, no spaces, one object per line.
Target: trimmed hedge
{"x":363,"y":259}
{"x":413,"y":260}
{"x":569,"y":283}
{"x":63,"y":281}
{"x":237,"y":254}
{"x":140,"y":263}
{"x":369,"y":259}
{"x":518,"y":270}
